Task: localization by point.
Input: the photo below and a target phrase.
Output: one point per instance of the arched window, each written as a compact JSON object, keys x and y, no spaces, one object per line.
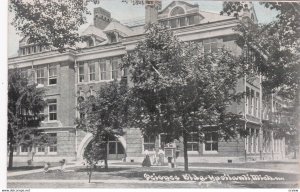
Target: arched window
{"x":177,"y":11}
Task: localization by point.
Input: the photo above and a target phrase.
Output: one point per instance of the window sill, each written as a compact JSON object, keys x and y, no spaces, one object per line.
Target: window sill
{"x":193,"y":152}
{"x":210,"y":152}
{"x":52,"y":153}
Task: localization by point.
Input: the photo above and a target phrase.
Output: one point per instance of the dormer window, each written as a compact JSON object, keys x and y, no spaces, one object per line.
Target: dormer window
{"x":90,"y":42}
{"x":113,"y":38}
{"x":177,"y":11}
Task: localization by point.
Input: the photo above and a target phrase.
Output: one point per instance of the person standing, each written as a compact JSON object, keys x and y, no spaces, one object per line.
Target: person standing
{"x":161,"y":156}
{"x":146,"y":162}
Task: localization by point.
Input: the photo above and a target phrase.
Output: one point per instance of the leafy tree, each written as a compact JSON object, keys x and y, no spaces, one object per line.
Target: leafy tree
{"x":104,"y":114}
{"x":94,"y":152}
{"x":178,"y":90}
{"x":276,"y":46}
{"x":50,"y":23}
{"x":25,"y":103}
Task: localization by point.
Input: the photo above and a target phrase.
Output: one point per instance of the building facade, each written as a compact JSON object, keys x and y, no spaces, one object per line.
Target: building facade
{"x":77,"y":74}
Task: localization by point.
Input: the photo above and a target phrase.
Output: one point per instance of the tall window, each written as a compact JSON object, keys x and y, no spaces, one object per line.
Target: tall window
{"x":252,"y":102}
{"x":40,"y":76}
{"x":115,"y":146}
{"x":182,"y":22}
{"x":210,"y":45}
{"x":257,"y":105}
{"x":191,"y":20}
{"x":24,"y":148}
{"x":248,"y":104}
{"x":52,"y":75}
{"x":52,"y":105}
{"x":115,"y":68}
{"x":81,"y":72}
{"x":149,"y":143}
{"x":53,"y":140}
{"x":92,"y":71}
{"x":173,"y":23}
{"x":104,"y":69}
{"x":193,"y":142}
{"x":211,"y":141}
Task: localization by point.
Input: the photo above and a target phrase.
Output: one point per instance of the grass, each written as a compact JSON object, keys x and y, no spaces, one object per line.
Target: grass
{"x":80,"y":173}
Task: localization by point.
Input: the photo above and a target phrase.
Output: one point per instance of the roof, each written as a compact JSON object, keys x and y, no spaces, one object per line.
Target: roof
{"x":92,"y":30}
{"x":213,"y":17}
{"x":115,"y":25}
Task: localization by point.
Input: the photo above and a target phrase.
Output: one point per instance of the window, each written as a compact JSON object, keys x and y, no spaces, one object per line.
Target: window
{"x":81,"y":72}
{"x":182,"y":22}
{"x":177,"y":11}
{"x":173,"y":23}
{"x":92,"y":71}
{"x":52,"y":75}
{"x":115,"y":68}
{"x":248,"y":100}
{"x":191,"y":20}
{"x":210,"y":45}
{"x":53,"y":146}
{"x":34,"y":49}
{"x":24,"y":74}
{"x":252,"y":102}
{"x":113,"y":38}
{"x":104,"y":69}
{"x":40,"y":76}
{"x":23,"y":51}
{"x":24,"y":149}
{"x":52,"y":105}
{"x":211,"y":141}
{"x":257,"y":105}
{"x":193,"y":142}
{"x":28,"y":50}
{"x":149,"y":143}
{"x":41,"y":149}
{"x":115,"y":146}
{"x":15,"y":149}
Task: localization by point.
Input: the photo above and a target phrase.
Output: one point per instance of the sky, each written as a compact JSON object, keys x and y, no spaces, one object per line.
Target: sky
{"x":122,"y":11}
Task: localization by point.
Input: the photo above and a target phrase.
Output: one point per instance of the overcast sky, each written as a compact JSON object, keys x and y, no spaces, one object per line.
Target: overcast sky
{"x":122,"y":11}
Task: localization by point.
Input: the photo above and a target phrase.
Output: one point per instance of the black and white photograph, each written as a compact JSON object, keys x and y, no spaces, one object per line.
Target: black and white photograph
{"x":151,"y":94}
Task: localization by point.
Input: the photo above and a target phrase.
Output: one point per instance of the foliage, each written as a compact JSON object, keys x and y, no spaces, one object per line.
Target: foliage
{"x":25,"y":103}
{"x":104,"y":116}
{"x":276,"y":47}
{"x":52,"y":23}
{"x":178,"y":90}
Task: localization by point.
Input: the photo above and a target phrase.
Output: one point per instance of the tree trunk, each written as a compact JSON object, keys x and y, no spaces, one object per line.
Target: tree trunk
{"x":186,"y":163}
{"x":11,"y":156}
{"x":90,"y":174}
{"x":105,"y":156}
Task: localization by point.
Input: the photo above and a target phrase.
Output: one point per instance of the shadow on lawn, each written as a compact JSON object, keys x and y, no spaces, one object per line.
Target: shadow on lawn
{"x":98,"y":169}
{"x":24,"y":168}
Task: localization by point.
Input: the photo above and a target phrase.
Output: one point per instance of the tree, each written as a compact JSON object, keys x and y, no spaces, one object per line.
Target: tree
{"x":178,"y":90}
{"x":25,"y":104}
{"x":276,"y":45}
{"x":104,"y":115}
{"x":94,"y":152}
{"x":50,"y":23}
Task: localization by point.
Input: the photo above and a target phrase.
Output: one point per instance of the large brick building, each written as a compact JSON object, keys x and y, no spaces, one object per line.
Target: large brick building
{"x":77,"y":74}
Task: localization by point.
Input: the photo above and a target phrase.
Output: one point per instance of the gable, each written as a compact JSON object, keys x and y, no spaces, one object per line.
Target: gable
{"x":178,"y":7}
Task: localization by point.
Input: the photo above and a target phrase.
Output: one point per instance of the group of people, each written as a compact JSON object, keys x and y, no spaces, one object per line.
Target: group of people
{"x":158,"y":158}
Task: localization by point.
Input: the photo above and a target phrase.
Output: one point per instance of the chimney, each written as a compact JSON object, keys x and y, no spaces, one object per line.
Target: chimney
{"x":151,"y":9}
{"x":101,"y":18}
